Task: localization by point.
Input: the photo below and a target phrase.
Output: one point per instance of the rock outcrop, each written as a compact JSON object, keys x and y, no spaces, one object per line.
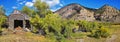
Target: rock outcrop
{"x":78,"y":12}
{"x":107,"y":14}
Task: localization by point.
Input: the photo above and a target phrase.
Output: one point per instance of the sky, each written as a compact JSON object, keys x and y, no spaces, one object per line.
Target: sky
{"x":10,"y":5}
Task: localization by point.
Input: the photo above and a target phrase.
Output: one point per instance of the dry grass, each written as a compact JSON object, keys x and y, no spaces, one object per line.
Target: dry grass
{"x":25,"y":37}
{"x":30,"y":37}
{"x":115,"y":35}
{"x":115,"y":29}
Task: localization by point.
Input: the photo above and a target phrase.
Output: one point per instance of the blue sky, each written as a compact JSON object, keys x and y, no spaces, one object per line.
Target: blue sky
{"x":10,"y":5}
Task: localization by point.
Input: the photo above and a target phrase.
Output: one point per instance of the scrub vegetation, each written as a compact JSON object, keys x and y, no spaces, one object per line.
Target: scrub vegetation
{"x":50,"y":27}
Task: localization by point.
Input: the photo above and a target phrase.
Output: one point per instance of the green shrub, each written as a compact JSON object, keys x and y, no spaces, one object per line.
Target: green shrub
{"x":67,"y":40}
{"x":87,"y":26}
{"x":101,"y":32}
{"x":0,"y":31}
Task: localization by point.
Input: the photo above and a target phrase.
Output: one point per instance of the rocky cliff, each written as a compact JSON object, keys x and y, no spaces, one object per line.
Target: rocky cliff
{"x":78,"y":12}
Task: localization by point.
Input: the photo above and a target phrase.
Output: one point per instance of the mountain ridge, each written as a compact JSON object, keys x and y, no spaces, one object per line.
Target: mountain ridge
{"x":76,"y":11}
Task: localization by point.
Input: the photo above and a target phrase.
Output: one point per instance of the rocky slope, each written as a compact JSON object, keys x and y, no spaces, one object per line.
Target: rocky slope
{"x":108,"y":14}
{"x":78,"y":12}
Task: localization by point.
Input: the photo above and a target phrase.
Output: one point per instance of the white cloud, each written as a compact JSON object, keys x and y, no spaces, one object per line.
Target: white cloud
{"x":29,"y":4}
{"x":22,"y":2}
{"x":61,"y":5}
{"x":51,"y":2}
{"x":33,"y":0}
{"x":14,"y":7}
{"x":53,"y":10}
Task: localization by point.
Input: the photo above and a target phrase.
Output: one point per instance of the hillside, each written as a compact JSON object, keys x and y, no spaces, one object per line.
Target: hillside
{"x":108,"y":14}
{"x":77,"y":12}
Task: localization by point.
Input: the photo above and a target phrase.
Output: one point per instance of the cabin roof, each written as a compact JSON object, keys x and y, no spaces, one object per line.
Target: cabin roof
{"x":18,"y":13}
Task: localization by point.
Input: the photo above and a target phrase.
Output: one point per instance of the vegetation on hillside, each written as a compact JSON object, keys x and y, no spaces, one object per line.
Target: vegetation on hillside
{"x":46,"y":23}
{"x":54,"y":28}
{"x":2,"y":18}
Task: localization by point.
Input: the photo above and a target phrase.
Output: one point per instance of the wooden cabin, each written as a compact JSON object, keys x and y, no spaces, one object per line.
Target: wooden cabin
{"x":18,"y":19}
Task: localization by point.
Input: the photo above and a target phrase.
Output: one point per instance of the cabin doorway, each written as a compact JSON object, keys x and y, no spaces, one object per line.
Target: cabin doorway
{"x":18,"y":23}
{"x":27,"y":24}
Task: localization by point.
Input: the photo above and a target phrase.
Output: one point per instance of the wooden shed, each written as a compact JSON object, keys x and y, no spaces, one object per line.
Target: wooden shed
{"x":18,"y":18}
